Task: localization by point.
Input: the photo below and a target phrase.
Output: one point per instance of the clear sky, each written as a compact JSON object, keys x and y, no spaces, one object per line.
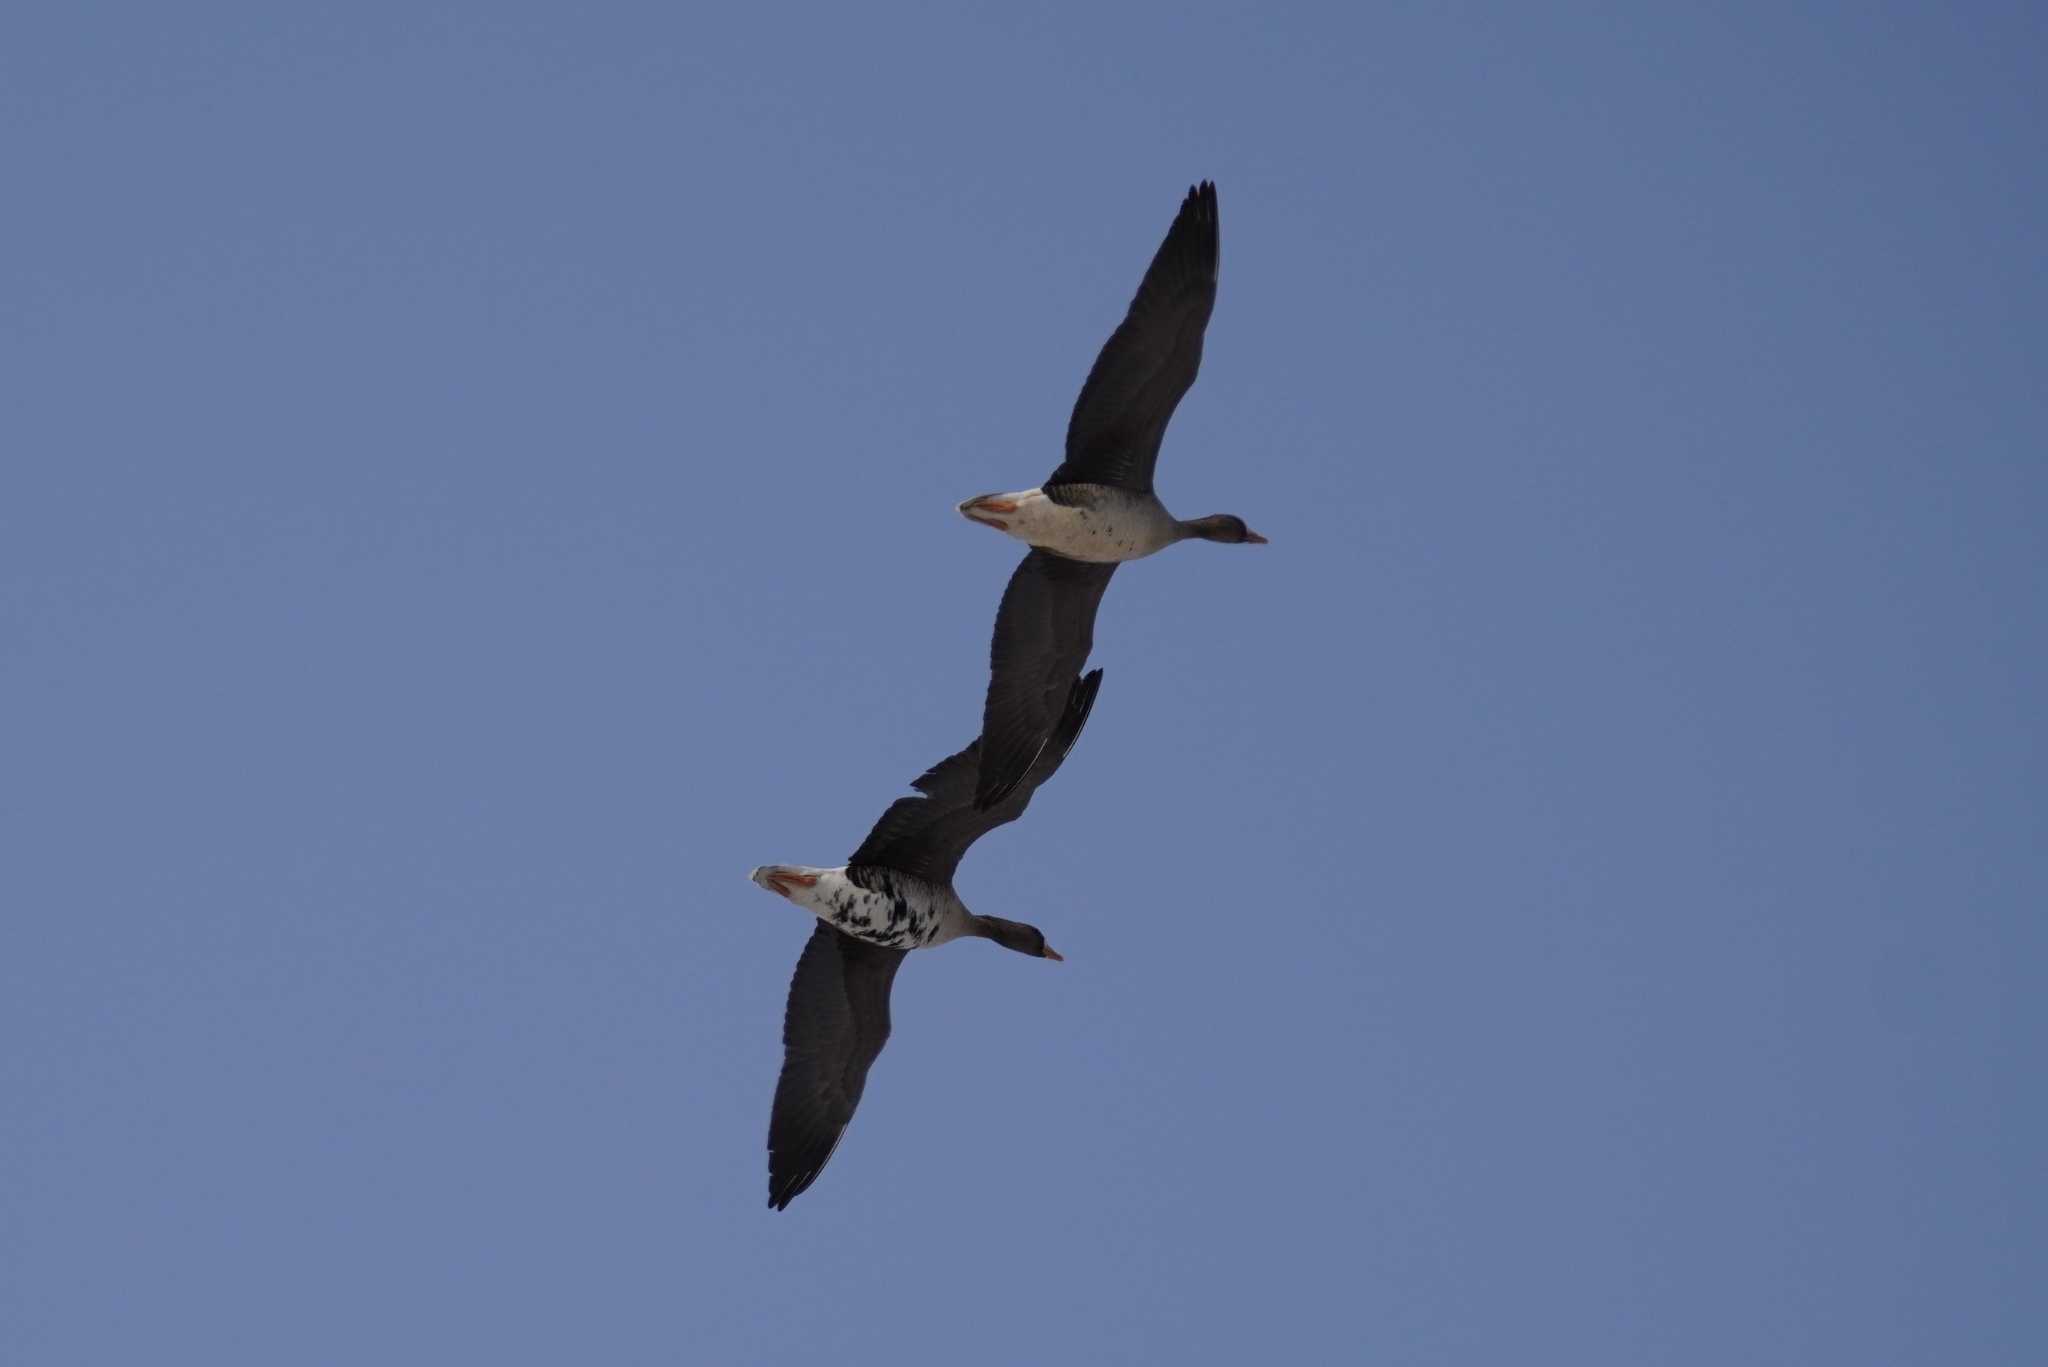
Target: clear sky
{"x":476,"y":479}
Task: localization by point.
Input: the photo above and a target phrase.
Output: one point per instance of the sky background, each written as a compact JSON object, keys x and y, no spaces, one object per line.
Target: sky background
{"x":477,"y":479}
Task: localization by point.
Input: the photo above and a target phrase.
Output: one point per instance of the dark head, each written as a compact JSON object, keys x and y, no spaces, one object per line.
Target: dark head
{"x":1225,"y":527}
{"x":1014,"y":935}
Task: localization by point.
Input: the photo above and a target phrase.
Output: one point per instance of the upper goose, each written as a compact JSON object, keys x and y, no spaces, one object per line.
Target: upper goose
{"x":1098,"y":509}
{"x":895,"y":895}
{"x":1099,"y":504}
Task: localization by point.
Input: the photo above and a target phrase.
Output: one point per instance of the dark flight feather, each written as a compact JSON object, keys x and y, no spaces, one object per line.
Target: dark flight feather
{"x":927,"y":836}
{"x":1150,"y":360}
{"x":1045,"y":627}
{"x":833,"y":1029}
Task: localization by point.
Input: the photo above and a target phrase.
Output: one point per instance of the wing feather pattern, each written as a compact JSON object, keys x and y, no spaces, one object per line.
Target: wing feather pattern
{"x":833,"y":1029}
{"x":927,"y":835}
{"x":1151,"y":359}
{"x":1045,"y":627}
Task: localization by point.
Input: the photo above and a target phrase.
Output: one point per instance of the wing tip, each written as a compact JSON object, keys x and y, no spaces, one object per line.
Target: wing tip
{"x":779,"y":1198}
{"x":994,"y":790}
{"x":1058,"y":742}
{"x":1080,"y":702}
{"x":783,"y":1190}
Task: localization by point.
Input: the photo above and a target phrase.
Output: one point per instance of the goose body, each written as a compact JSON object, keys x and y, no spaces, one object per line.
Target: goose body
{"x":878,"y":905}
{"x":1095,"y":523}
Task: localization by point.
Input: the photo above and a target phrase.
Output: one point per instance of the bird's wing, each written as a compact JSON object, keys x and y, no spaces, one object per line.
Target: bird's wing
{"x":834,"y":1027}
{"x":1150,"y":360}
{"x":1045,"y":628}
{"x":926,"y":836}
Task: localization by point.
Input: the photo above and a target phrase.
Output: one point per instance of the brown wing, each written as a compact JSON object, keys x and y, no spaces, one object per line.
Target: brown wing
{"x":1045,"y":628}
{"x":1150,"y":360}
{"x":926,"y":836}
{"x":832,"y":1031}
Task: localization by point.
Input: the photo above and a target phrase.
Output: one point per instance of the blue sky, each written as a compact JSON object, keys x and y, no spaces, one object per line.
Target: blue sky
{"x":478,"y":480}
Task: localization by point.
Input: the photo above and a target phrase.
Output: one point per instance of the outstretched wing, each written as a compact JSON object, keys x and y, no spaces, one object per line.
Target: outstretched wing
{"x":1045,"y":628}
{"x":1150,"y":360}
{"x":926,"y":836}
{"x":832,"y":1031}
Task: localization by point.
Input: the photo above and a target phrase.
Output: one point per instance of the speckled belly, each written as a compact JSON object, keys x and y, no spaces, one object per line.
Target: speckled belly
{"x":1096,"y":524}
{"x":878,"y":906}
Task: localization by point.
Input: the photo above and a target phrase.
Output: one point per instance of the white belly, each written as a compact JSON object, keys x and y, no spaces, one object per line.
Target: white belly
{"x":1112,"y":526}
{"x":893,"y":910}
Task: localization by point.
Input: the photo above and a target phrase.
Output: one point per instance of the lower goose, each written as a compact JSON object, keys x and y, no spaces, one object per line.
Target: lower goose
{"x":894,"y":895}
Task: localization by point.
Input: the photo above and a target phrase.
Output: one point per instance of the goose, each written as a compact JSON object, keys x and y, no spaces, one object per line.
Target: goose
{"x":1099,"y":505}
{"x":1098,"y":508}
{"x":894,"y":895}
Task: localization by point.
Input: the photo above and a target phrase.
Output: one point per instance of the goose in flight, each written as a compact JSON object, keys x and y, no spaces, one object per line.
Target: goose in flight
{"x":894,"y":895}
{"x":1098,"y":508}
{"x":1099,"y":505}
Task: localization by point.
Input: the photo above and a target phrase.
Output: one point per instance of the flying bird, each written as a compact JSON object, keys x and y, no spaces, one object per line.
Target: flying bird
{"x":894,"y":895}
{"x":1098,"y":508}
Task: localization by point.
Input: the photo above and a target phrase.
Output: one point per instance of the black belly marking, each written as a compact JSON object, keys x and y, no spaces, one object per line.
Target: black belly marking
{"x":890,"y":907}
